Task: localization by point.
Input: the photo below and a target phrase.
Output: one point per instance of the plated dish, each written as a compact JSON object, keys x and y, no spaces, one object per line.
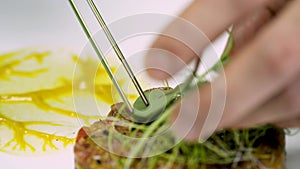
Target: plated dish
{"x":61,"y":25}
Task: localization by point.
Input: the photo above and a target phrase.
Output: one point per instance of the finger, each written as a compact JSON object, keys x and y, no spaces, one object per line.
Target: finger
{"x":293,"y":123}
{"x":264,"y":68}
{"x":283,"y":107}
{"x":187,"y":123}
{"x":246,"y":29}
{"x":267,"y":66}
{"x":203,"y":20}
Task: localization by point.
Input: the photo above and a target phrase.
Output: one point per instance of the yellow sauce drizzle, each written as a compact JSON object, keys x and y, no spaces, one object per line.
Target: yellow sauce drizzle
{"x":20,"y":131}
{"x":11,"y":68}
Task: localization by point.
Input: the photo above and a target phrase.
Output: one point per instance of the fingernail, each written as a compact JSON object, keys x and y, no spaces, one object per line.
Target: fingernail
{"x":162,"y":64}
{"x":191,"y":120}
{"x":177,"y":129}
{"x":184,"y":119}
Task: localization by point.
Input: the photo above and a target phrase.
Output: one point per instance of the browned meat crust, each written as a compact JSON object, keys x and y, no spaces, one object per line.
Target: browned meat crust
{"x":88,"y":155}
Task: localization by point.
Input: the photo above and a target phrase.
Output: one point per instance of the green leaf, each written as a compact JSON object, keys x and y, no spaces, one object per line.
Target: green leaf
{"x":158,"y":101}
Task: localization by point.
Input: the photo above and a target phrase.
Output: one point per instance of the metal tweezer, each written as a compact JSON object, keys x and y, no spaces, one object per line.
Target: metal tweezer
{"x":116,"y":49}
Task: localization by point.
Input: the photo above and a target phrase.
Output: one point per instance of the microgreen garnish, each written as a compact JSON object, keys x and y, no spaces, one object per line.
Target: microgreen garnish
{"x":227,"y":147}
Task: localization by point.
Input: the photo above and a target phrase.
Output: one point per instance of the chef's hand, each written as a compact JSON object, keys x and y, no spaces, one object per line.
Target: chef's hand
{"x":263,"y":76}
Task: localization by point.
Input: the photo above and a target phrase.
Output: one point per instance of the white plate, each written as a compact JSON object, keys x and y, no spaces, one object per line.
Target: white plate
{"x":52,"y":23}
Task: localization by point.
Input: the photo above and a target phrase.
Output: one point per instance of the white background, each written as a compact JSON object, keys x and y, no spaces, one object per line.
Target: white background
{"x":28,"y":23}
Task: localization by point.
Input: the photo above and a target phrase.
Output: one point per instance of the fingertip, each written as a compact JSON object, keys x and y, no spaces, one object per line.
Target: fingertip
{"x":158,"y":74}
{"x":174,"y":114}
{"x":183,"y":120}
{"x":161,"y":64}
{"x":154,"y":69}
{"x":177,"y":124}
